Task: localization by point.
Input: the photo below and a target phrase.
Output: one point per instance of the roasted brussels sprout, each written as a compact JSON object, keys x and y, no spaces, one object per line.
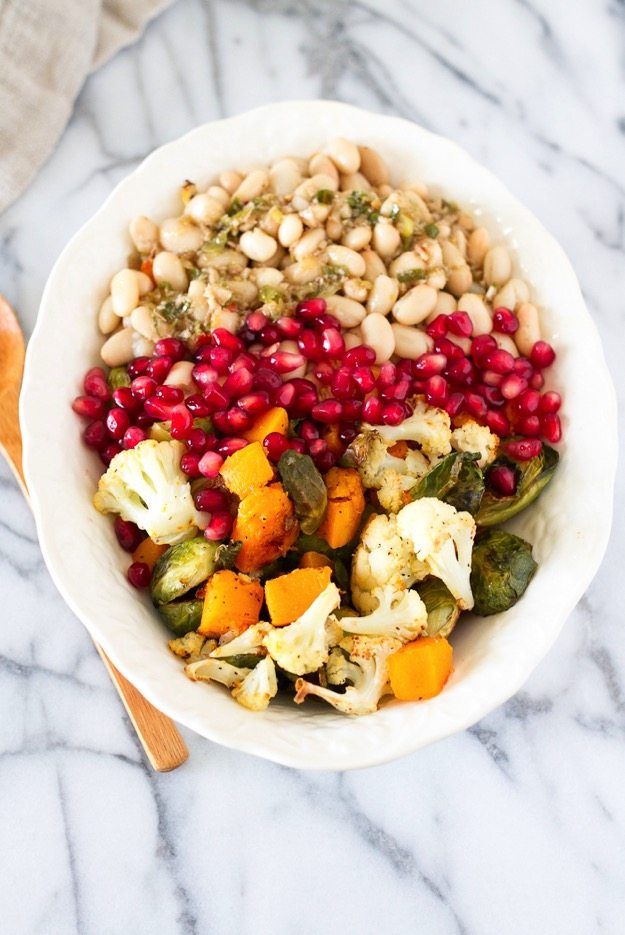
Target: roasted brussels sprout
{"x":243,"y":660}
{"x":181,"y":616}
{"x":501,"y":570}
{"x":182,"y":567}
{"x":226,"y":553}
{"x":533,"y":476}
{"x":304,"y":485}
{"x":118,"y":376}
{"x":456,"y":479}
{"x":441,"y":605}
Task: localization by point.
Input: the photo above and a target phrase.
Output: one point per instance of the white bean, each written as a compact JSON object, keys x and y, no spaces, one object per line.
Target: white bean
{"x":411,"y":342}
{"x":226,"y":318}
{"x":459,"y":280}
{"x":268,"y":276}
{"x":205,"y":209}
{"x":124,"y":292}
{"x":445,"y":305}
{"x":497,"y":266}
{"x":117,"y":350}
{"x":344,"y":154}
{"x":352,"y":338}
{"x":506,"y":343}
{"x":180,"y":375}
{"x":357,"y":238}
{"x":378,"y":334}
{"x":243,"y":291}
{"x":528,"y":332}
{"x":253,"y":185}
{"x":405,"y":262}
{"x":349,"y":312}
{"x":180,"y":235}
{"x":386,"y":238}
{"x":230,"y":181}
{"x":290,"y":230}
{"x":374,"y":266}
{"x":355,"y":182}
{"x":167,"y":268}
{"x":515,"y":292}
{"x":143,"y":281}
{"x":478,"y":246}
{"x":477,"y":311}
{"x":144,"y":234}
{"x":142,"y":321}
{"x":320,"y":164}
{"x":219,"y":194}
{"x":343,"y":256}
{"x":309,"y":243}
{"x":373,"y":166}
{"x":415,"y":305}
{"x":284,"y":177}
{"x":304,"y":271}
{"x":383,"y":295}
{"x":257,"y":245}
{"x":141,"y":347}
{"x":108,"y":320}
{"x":355,"y":289}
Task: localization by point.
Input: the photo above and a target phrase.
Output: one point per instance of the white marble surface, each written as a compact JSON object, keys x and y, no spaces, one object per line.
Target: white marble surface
{"x":518,"y":825}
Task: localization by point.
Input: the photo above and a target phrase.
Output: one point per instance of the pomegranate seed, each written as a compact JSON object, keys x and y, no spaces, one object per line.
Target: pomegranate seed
{"x":352,"y":410}
{"x":359,"y":356}
{"x":529,"y":425}
{"x":523,"y":368}
{"x":196,"y":440}
{"x":343,"y":386}
{"x":285,"y":395}
{"x":436,"y":391}
{"x":157,"y":409}
{"x":326,"y":321}
{"x":327,"y":411}
{"x":269,"y":335}
{"x":512,"y":386}
{"x":399,"y":391}
{"x":223,"y":338}
{"x":289,"y":327}
{"x":502,"y":479}
{"x":302,"y":405}
{"x":169,"y":347}
{"x":170,"y":394}
{"x":181,"y":422}
{"x":197,"y":405}
{"x":332,"y":342}
{"x":95,"y":383}
{"x":221,"y":358}
{"x":537,"y":381}
{"x":142,"y":387}
{"x":348,"y":433}
{"x":308,"y":431}
{"x":450,"y":350}
{"x":189,"y":463}
{"x":454,"y":404}
{"x":254,"y":403}
{"x":325,"y":461}
{"x":89,"y":407}
{"x":550,"y":402}
{"x":256,"y":321}
{"x":109,"y":451}
{"x":95,"y":435}
{"x":133,"y":436}
{"x":238,"y":383}
{"x":139,"y":575}
{"x":210,"y":464}
{"x":220,"y":421}
{"x":324,"y":372}
{"x":475,"y":405}
{"x":311,"y":308}
{"x":460,"y":371}
{"x":524,"y":449}
{"x":505,"y":321}
{"x":297,"y":444}
{"x":228,"y":446}
{"x":393,"y":414}
{"x":481,"y":346}
{"x":143,"y":420}
{"x":159,"y":367}
{"x":128,"y":534}
{"x":243,"y":361}
{"x":429,"y":365}
{"x":275,"y":445}
{"x":372,"y":410}
{"x":364,"y":379}
{"x":203,"y":354}
{"x":215,"y":398}
{"x":248,"y":337}
{"x":238,"y":421}
{"x":528,"y":402}
{"x":219,"y":526}
{"x":317,"y":447}
{"x":117,"y":422}
{"x":460,"y":324}
{"x":309,"y":344}
{"x":492,"y":395}
{"x":286,"y":362}
{"x":438,"y":327}
{"x":490,"y":378}
{"x":542,"y":355}
{"x":137,"y":367}
{"x":497,"y":423}
{"x":387,"y":375}
{"x":266,"y":379}
{"x":500,"y":361}
{"x":210,"y":500}
{"x":551,"y":427}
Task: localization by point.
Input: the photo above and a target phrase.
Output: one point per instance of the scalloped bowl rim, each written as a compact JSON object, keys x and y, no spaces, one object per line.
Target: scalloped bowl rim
{"x":494,"y":657}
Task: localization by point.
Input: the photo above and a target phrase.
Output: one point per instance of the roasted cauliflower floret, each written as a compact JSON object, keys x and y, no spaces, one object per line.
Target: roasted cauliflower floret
{"x":259,"y":687}
{"x":402,"y":615}
{"x":383,"y":557}
{"x":379,"y":470}
{"x":472,"y":437}
{"x":304,"y":646}
{"x":429,"y":427}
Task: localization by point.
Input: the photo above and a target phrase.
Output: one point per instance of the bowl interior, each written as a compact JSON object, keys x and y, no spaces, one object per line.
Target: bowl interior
{"x":569,"y":526}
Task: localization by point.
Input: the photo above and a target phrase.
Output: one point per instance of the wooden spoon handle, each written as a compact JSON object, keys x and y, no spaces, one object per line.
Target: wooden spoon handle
{"x":158,"y":734}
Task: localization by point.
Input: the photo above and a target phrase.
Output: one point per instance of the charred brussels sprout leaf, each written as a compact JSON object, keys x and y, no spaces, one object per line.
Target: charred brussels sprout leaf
{"x":304,"y":485}
{"x":243,"y":660}
{"x":532,"y":478}
{"x":441,"y":605}
{"x":226,"y":554}
{"x":501,"y":570}
{"x":118,"y":376}
{"x":182,"y":616}
{"x":182,"y":567}
{"x":456,"y":479}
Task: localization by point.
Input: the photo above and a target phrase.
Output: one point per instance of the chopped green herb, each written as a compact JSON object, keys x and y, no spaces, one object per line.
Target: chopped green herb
{"x":270,"y":294}
{"x":234,"y":208}
{"x":171,"y":310}
{"x":431,"y":230}
{"x":394,"y":212}
{"x":359,"y":202}
{"x":374,"y":216}
{"x":194,"y":272}
{"x":411,"y":275}
{"x":324,"y":196}
{"x":216,"y":244}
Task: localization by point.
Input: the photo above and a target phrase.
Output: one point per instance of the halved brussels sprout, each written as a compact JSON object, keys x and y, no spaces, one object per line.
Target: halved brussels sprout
{"x":182,"y":567}
{"x":441,"y":605}
{"x":243,"y":660}
{"x":533,"y":476}
{"x":182,"y":616}
{"x":304,"y":485}
{"x":118,"y":376}
{"x":456,"y":479}
{"x":501,"y":569}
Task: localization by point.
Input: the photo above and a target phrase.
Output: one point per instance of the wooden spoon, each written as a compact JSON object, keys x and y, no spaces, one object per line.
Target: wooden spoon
{"x":161,"y":740}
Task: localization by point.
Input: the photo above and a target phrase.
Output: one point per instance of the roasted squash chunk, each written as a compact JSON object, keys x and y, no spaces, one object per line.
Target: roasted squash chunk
{"x":346,"y":504}
{"x":274,"y":420}
{"x":288,"y":596}
{"x":246,"y":469}
{"x":232,"y":602}
{"x":266,"y":526}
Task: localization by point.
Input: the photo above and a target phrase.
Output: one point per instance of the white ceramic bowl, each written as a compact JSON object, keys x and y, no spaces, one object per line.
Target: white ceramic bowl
{"x":569,"y":526}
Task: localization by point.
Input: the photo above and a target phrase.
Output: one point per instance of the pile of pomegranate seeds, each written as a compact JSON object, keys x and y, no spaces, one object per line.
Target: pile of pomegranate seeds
{"x":238,"y":377}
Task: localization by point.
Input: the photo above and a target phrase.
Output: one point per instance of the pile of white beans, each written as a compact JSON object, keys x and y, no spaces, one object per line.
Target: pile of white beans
{"x":298,"y":229}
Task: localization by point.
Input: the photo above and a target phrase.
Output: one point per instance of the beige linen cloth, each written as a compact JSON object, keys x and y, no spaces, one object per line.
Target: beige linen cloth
{"x":47,"y":49}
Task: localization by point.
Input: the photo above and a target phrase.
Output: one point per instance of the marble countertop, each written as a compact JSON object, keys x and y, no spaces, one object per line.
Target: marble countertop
{"x":517,"y":825}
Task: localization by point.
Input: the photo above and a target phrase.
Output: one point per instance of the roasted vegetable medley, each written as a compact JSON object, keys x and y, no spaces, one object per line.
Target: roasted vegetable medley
{"x":323,"y":396}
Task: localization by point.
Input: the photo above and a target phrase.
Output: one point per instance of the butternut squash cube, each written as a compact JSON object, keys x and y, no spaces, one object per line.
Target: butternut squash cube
{"x":232,"y":602}
{"x":246,"y":469}
{"x":274,"y":420}
{"x":346,"y":504}
{"x":266,"y":525}
{"x":288,"y":596}
{"x":420,"y":668}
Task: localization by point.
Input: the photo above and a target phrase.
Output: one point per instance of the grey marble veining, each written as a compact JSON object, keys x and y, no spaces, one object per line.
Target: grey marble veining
{"x":517,"y":825}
